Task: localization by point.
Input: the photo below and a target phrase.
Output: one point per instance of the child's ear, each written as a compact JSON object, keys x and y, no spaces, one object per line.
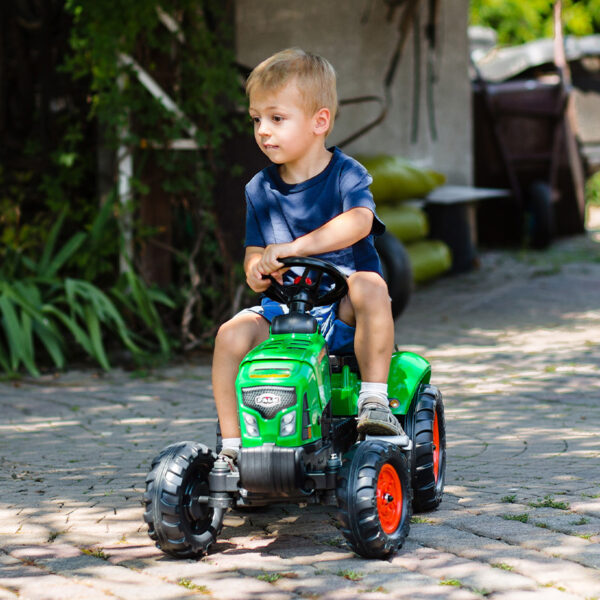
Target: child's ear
{"x":322,"y":119}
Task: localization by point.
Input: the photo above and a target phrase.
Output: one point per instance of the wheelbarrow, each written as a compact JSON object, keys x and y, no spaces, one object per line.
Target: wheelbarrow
{"x":523,"y":141}
{"x":520,"y":133}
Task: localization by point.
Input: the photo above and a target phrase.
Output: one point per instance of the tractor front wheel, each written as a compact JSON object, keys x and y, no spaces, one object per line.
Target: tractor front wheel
{"x":374,"y":499}
{"x":176,"y":501}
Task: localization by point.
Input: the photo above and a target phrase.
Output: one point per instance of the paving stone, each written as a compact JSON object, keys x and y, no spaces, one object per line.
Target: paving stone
{"x":514,"y":348}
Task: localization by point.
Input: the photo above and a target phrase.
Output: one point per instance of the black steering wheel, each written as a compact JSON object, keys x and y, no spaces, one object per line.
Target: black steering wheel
{"x":305,"y":289}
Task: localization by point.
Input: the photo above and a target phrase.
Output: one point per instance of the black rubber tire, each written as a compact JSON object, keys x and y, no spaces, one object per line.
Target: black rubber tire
{"x":357,"y":499}
{"x":539,"y":215}
{"x":427,"y":481}
{"x":177,"y":522}
{"x":397,"y":272}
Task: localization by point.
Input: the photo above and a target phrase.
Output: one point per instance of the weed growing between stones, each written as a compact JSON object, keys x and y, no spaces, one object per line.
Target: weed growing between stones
{"x":582,"y":521}
{"x":453,"y":582}
{"x":502,"y":566}
{"x":351,"y":575}
{"x":523,"y":517}
{"x":273,"y":577}
{"x":550,"y":502}
{"x":420,"y":520}
{"x":189,"y":585}
{"x":96,"y":553}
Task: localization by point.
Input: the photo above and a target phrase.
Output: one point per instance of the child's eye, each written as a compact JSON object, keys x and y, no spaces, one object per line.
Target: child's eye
{"x":255,"y":120}
{"x":277,"y":118}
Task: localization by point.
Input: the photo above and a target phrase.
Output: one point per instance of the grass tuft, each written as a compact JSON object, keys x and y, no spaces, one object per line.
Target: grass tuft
{"x":351,"y":575}
{"x":523,"y":517}
{"x":550,"y":502}
{"x":503,"y":566}
{"x":96,"y":553}
{"x":189,"y":585}
{"x":453,"y":582}
{"x":270,"y":577}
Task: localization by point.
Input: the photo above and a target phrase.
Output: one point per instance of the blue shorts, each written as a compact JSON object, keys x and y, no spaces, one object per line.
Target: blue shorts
{"x":338,"y":335}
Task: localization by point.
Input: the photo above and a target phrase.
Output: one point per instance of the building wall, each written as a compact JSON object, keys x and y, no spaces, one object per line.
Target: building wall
{"x":360,"y":47}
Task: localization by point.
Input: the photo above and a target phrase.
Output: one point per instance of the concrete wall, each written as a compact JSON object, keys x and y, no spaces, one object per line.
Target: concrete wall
{"x":361,"y":52}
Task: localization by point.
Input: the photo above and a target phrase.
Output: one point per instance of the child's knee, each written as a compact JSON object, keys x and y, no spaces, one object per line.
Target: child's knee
{"x":232,"y":337}
{"x":367,"y":288}
{"x":238,"y":336}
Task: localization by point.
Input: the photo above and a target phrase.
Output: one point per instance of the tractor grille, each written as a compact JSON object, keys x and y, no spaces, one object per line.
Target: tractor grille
{"x":268,"y":401}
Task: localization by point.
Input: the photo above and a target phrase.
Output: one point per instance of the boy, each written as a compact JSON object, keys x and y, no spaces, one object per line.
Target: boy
{"x":312,"y":201}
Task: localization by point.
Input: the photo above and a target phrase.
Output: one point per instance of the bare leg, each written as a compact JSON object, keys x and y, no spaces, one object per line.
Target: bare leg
{"x":235,"y":339}
{"x":368,"y":308}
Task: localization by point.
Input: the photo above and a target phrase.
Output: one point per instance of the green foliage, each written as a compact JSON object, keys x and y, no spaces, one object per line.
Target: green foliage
{"x":550,"y":502}
{"x":592,"y":189}
{"x":517,"y":22}
{"x":270,"y":577}
{"x":40,"y":307}
{"x":523,"y":517}
{"x":61,"y":285}
{"x":195,"y":66}
{"x":350,"y":575}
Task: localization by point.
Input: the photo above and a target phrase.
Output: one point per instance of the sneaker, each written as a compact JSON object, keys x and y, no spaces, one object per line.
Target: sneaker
{"x":376,"y":419}
{"x":229,"y":455}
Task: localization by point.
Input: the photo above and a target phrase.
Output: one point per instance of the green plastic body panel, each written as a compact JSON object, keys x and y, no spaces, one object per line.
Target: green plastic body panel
{"x":295,"y":360}
{"x":300,"y":361}
{"x":407,"y":372}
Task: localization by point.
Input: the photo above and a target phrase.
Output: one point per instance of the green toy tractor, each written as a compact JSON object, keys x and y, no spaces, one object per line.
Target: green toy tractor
{"x":297,"y":407}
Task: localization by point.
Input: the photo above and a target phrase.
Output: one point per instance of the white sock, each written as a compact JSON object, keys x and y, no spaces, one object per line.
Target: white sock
{"x":233,"y":443}
{"x":375,"y":391}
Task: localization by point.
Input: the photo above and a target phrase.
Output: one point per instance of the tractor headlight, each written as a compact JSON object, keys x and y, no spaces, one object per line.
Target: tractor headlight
{"x":287,"y":426}
{"x":251,"y":425}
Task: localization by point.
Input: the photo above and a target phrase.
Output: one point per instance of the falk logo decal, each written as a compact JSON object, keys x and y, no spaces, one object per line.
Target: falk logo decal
{"x":268,"y":400}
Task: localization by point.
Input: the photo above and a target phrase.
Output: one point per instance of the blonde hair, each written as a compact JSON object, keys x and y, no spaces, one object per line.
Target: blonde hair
{"x":315,"y":77}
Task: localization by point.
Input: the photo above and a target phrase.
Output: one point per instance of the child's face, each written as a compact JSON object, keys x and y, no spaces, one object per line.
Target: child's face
{"x":282,"y":128}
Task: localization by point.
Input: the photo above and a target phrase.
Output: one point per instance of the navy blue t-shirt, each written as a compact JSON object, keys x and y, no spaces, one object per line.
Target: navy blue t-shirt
{"x":278,"y":212}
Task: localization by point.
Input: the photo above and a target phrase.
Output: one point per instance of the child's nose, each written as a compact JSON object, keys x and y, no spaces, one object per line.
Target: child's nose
{"x":262,"y":129}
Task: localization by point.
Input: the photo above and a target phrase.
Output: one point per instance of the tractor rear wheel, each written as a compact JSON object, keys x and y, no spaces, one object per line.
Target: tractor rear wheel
{"x":176,"y":501}
{"x":397,"y":272}
{"x":374,"y":498}
{"x":426,"y":426}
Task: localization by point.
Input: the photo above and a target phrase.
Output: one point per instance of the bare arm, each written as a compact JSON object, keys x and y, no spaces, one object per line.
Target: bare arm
{"x":342,"y":231}
{"x":253,"y":275}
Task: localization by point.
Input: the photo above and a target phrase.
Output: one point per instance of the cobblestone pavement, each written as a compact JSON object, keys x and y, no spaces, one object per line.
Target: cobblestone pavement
{"x":515,"y":348}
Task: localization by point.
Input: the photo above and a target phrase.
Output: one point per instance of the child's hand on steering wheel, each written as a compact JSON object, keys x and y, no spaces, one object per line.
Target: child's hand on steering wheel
{"x":269,"y":263}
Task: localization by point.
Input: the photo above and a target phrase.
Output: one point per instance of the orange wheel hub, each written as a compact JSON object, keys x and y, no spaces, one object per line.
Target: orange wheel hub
{"x":436,"y":448}
{"x":389,"y":498}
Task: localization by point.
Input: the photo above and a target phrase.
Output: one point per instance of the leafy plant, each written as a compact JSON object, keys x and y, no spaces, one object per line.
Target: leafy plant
{"x":39,"y":306}
{"x":196,"y":49}
{"x":61,"y":284}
